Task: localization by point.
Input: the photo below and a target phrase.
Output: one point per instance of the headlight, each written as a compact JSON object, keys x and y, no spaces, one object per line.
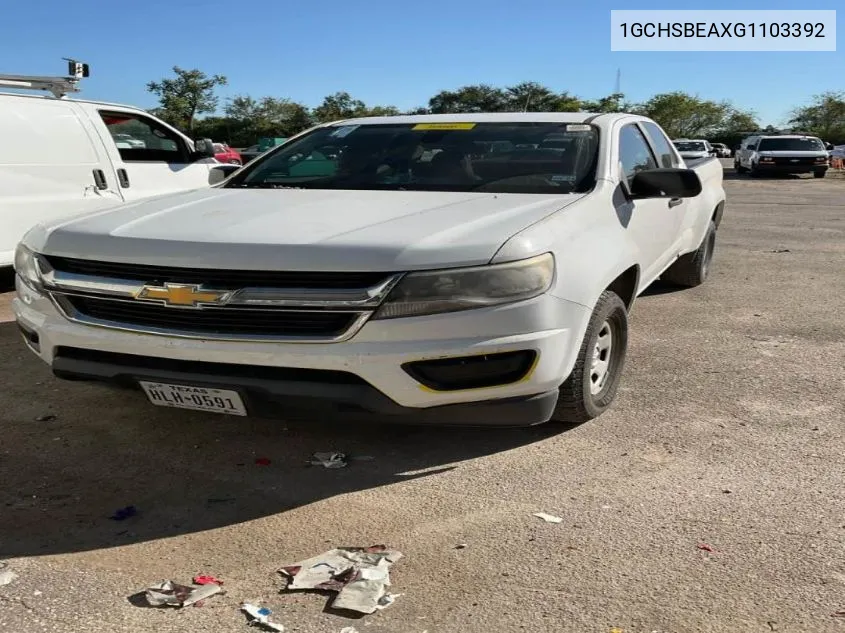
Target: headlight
{"x":432,"y":292}
{"x":26,"y":266}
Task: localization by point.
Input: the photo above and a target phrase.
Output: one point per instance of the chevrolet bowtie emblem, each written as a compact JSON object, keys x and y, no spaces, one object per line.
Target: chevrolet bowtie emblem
{"x":184,"y":295}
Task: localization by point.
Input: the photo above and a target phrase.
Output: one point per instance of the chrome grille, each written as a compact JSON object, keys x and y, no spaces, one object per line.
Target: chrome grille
{"x":319,"y":307}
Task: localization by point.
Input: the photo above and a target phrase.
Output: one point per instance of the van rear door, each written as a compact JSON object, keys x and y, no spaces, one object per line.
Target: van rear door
{"x":52,"y":165}
{"x":150,"y":157}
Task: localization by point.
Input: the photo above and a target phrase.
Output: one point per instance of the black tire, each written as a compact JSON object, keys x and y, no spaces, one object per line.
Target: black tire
{"x":691,"y":270}
{"x":576,"y":401}
{"x":754,"y":172}
{"x":739,"y":168}
{"x":819,"y":173}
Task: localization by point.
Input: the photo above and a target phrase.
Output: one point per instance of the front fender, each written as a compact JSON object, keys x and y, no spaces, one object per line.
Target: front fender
{"x":589,"y":243}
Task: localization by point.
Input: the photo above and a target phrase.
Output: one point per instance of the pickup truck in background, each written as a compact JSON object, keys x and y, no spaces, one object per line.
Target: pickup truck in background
{"x":694,"y":148}
{"x":410,"y":274}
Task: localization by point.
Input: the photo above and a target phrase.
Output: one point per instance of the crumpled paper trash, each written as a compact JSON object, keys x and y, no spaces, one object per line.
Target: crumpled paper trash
{"x":329,"y":460}
{"x":261,"y":616}
{"x":171,"y":594}
{"x":360,"y":576}
{"x":7,"y":576}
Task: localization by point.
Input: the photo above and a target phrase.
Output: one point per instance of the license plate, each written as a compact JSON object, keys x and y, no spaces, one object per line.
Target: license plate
{"x":197,"y":398}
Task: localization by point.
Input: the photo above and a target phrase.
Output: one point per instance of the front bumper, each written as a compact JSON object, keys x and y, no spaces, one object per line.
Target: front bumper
{"x":360,"y":379}
{"x":770,"y":168}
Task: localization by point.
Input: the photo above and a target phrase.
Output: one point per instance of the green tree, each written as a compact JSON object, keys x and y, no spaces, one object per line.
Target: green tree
{"x":682,"y":115}
{"x":268,"y":116}
{"x":183,"y":97}
{"x":469,"y":99}
{"x":611,"y":103}
{"x":823,"y":117}
{"x":337,"y":106}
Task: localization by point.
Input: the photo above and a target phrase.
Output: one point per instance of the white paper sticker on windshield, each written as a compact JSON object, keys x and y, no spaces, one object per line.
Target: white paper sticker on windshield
{"x":344,"y":131}
{"x":578,"y":127}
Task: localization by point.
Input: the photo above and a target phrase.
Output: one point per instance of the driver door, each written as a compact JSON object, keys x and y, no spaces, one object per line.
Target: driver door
{"x":150,"y":159}
{"x":653,"y":223}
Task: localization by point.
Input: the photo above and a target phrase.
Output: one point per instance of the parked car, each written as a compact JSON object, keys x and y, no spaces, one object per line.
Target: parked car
{"x":125,"y":141}
{"x":250,"y":153}
{"x":722,"y":150}
{"x":64,"y":157}
{"x":694,"y":148}
{"x":225,"y":154}
{"x":393,"y":282}
{"x":781,"y":155}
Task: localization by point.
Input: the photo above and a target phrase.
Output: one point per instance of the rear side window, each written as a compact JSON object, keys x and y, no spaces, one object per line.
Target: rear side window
{"x":661,"y":145}
{"x":634,"y":152}
{"x":42,"y":132}
{"x":143,"y":140}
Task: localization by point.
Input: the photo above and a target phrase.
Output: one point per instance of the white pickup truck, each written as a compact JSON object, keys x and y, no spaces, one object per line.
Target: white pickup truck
{"x":439,"y":269}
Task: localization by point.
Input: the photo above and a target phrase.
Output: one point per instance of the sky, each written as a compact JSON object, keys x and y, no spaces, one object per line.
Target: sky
{"x":384,"y":54}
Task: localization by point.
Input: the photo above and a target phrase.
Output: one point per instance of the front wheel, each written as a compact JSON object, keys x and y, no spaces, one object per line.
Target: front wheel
{"x":592,"y":385}
{"x":819,"y":173}
{"x":739,"y":168}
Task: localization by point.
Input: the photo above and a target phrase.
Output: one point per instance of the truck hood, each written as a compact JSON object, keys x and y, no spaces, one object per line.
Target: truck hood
{"x":301,"y":229}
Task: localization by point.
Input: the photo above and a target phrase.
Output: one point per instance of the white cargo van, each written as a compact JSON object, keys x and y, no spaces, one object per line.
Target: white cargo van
{"x":62,"y":157}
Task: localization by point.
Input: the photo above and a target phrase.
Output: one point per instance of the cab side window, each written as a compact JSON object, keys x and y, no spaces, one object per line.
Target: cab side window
{"x":142,"y":140}
{"x":661,"y":145}
{"x":634,"y":152}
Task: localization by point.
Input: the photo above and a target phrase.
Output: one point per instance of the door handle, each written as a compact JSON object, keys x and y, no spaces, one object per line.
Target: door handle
{"x":674,"y":202}
{"x":123,"y":177}
{"x":100,"y":180}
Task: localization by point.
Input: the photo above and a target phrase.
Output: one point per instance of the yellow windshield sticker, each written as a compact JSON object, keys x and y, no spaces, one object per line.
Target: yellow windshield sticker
{"x":444,"y":126}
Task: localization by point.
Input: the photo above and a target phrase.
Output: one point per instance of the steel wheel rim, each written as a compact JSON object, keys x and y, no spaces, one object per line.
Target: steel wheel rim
{"x":602,"y":356}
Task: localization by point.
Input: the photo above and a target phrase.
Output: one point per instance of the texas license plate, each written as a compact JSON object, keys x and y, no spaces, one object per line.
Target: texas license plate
{"x":197,"y":398}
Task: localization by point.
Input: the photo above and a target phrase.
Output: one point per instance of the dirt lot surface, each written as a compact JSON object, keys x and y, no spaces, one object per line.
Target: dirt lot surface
{"x":728,"y":432}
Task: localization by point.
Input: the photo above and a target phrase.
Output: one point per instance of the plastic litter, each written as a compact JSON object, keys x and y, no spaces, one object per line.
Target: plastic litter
{"x":262,"y":461}
{"x":207,"y":580}
{"x":349,"y":629}
{"x":360,"y":576}
{"x":7,"y":576}
{"x":329,"y":460}
{"x":49,"y":417}
{"x":705,"y":547}
{"x":124,"y":513}
{"x":461,"y":546}
{"x":260,"y":616}
{"x":548,"y":518}
{"x":171,"y":594}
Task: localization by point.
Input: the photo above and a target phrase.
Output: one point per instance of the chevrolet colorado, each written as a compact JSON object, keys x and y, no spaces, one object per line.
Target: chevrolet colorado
{"x":437,"y":269}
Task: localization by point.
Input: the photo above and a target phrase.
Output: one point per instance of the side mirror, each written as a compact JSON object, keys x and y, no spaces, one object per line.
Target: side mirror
{"x":666,"y":183}
{"x":203,"y":148}
{"x":828,"y":146}
{"x":749,"y":147}
{"x":219,"y":173}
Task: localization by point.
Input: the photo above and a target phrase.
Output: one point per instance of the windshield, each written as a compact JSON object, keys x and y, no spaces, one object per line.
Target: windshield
{"x":690,"y":146}
{"x":490,"y":157}
{"x":790,"y":145}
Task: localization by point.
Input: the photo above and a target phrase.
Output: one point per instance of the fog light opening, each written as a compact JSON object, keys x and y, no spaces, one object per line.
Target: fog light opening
{"x":472,"y":372}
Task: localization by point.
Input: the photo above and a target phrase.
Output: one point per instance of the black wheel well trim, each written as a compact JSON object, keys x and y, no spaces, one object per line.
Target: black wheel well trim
{"x":716,"y":218}
{"x":625,"y":285}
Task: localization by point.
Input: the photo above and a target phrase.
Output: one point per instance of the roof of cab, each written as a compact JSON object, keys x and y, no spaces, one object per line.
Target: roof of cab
{"x":489,"y":117}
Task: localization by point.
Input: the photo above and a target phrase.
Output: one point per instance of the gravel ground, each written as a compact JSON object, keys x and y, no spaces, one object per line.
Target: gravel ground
{"x":728,"y":432}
